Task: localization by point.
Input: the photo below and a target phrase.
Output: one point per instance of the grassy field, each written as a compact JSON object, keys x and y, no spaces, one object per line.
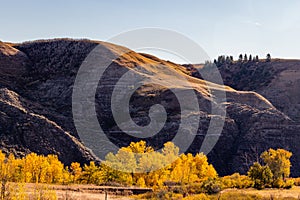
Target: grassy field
{"x":92,"y":192}
{"x":65,"y":192}
{"x":265,"y":194}
{"x":236,"y":194}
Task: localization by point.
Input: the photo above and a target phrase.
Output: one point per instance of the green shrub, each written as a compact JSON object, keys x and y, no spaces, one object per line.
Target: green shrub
{"x":195,"y":188}
{"x":212,"y":186}
{"x":288,"y":184}
{"x":236,"y":181}
{"x":262,"y":176}
{"x":173,"y":196}
{"x":296,"y":181}
{"x":278,"y":183}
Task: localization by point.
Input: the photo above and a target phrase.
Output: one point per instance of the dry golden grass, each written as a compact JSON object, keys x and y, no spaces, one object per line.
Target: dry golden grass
{"x":232,"y":194}
{"x":92,"y":192}
{"x":266,"y":194}
{"x":31,"y":191}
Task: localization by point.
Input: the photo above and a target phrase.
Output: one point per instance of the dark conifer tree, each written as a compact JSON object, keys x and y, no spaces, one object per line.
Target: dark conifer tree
{"x":241,"y":57}
{"x":268,"y":59}
{"x":250,"y":58}
{"x":245,"y":58}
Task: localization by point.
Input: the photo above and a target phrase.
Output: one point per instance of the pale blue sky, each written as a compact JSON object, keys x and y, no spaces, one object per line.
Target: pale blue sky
{"x":220,"y":27}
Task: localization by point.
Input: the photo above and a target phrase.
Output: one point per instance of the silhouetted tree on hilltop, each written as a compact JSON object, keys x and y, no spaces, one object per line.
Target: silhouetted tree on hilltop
{"x":245,"y":58}
{"x":268,"y":59}
{"x":250,"y":58}
{"x":241,"y":57}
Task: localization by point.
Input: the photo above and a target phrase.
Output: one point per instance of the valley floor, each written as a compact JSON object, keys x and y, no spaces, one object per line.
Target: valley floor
{"x":70,"y":192}
{"x":92,"y":192}
{"x":279,"y":194}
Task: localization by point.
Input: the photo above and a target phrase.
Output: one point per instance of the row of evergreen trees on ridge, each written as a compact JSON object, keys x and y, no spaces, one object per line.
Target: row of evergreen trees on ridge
{"x":241,"y":59}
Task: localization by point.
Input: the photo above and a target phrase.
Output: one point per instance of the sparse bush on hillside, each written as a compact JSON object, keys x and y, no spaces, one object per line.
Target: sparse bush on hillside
{"x":54,"y":57}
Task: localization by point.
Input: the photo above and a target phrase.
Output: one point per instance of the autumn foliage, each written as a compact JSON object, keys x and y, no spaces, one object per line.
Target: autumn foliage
{"x":142,"y":166}
{"x":137,"y":164}
{"x":33,"y":169}
{"x":275,"y":171}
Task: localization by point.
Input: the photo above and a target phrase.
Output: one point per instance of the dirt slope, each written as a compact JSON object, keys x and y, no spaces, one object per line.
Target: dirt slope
{"x":35,"y":105}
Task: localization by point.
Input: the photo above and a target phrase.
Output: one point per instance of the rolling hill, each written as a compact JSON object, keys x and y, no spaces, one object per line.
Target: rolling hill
{"x":37,"y":79}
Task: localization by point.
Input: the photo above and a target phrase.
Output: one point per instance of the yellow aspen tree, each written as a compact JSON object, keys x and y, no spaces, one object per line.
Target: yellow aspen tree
{"x":141,"y":182}
{"x":76,"y":172}
{"x":30,"y":167}
{"x":55,"y":170}
{"x":176,"y":174}
{"x":278,"y":161}
{"x":204,"y":170}
{"x":4,"y":175}
{"x":91,"y":174}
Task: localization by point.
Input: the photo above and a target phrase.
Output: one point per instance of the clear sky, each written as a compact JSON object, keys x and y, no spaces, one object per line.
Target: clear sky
{"x":220,"y":27}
